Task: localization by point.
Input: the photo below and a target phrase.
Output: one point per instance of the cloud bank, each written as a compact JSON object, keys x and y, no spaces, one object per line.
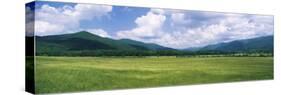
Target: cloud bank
{"x":51,"y":20}
{"x":196,"y":28}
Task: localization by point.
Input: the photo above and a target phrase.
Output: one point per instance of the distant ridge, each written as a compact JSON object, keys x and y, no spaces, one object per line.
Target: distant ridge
{"x":84,"y":40}
{"x":263,"y":44}
{"x":85,"y":43}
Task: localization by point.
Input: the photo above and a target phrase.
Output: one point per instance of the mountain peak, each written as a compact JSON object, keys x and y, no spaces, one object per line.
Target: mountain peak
{"x":84,"y":32}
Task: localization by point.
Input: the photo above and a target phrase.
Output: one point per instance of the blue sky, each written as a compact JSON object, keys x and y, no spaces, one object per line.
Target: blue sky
{"x":171,"y":28}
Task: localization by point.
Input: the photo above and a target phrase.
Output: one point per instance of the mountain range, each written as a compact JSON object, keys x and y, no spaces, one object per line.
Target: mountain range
{"x":85,"y":41}
{"x":261,"y":44}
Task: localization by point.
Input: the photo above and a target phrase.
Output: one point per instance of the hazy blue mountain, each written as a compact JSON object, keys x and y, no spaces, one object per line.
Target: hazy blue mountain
{"x":192,"y":49}
{"x":248,"y":45}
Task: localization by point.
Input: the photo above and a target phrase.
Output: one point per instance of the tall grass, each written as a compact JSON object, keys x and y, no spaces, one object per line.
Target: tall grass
{"x":69,"y":74}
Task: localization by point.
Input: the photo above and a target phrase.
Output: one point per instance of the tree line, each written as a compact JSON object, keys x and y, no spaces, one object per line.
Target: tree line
{"x":152,"y":53}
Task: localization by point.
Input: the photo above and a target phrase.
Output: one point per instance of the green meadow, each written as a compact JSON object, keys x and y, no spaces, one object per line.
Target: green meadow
{"x":70,"y":74}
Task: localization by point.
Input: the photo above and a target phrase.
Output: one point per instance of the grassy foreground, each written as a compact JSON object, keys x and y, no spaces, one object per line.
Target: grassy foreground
{"x":70,"y":74}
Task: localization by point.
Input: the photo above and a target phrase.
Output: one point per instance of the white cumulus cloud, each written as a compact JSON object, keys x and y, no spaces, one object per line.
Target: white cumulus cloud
{"x":29,"y":20}
{"x":223,"y":29}
{"x":66,"y":19}
{"x":179,"y":18}
{"x":99,"y":32}
{"x":195,"y":28}
{"x":148,"y":25}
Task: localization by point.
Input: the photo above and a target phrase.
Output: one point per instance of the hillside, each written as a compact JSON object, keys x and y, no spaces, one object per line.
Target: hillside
{"x":87,"y":44}
{"x":85,"y":41}
{"x":262,"y":44}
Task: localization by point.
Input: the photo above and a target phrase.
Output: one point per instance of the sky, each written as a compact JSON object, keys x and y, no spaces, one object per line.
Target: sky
{"x":177,"y":29}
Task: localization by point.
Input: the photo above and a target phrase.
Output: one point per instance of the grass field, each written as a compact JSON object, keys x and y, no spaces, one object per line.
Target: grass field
{"x":70,"y":74}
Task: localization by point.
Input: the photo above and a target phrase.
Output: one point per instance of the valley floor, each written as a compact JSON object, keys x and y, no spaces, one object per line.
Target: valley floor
{"x":71,"y":74}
